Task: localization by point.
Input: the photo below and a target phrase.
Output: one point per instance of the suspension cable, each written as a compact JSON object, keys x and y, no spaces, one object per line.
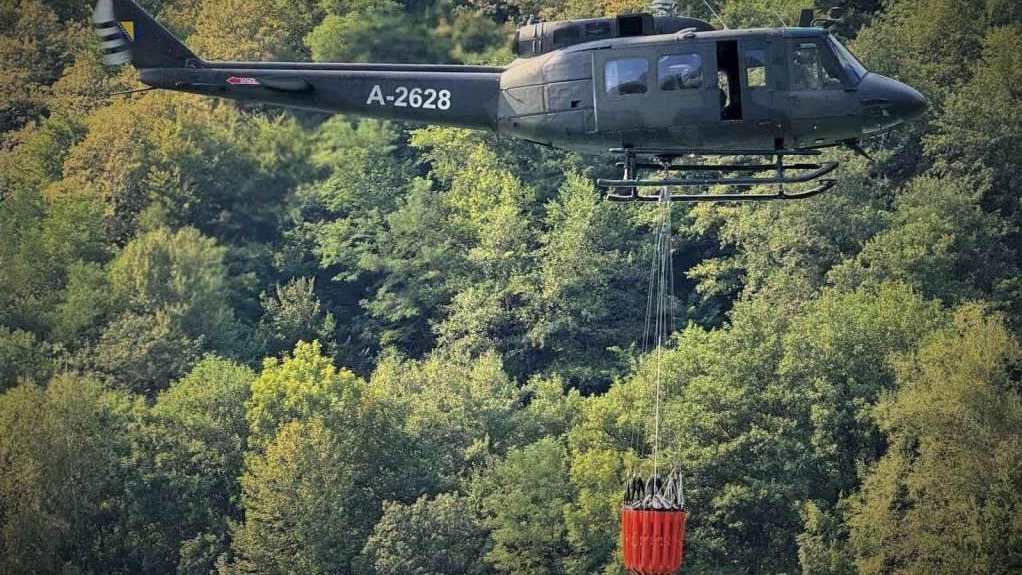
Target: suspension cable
{"x":661,"y":291}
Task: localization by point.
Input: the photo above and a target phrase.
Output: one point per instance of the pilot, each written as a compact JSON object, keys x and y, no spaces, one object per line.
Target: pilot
{"x":806,"y":76}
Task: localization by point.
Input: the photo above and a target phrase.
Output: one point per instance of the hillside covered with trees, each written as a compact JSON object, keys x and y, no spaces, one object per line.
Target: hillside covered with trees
{"x":240,"y":340}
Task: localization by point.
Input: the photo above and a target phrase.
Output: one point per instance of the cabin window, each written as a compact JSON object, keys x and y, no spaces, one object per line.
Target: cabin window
{"x":566,"y":36}
{"x":755,"y":68}
{"x":809,"y":72}
{"x":679,"y":71}
{"x":598,"y":29}
{"x":626,"y":76}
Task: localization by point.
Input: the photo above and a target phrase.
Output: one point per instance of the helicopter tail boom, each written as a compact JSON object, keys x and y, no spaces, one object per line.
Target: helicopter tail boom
{"x":467,"y":99}
{"x":439,"y":94}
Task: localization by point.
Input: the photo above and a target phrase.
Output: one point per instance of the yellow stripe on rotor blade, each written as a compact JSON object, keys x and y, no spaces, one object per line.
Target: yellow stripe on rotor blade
{"x":129,"y":29}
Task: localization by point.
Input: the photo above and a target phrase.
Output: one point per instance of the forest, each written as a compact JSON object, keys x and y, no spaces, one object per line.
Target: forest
{"x":236,"y":339}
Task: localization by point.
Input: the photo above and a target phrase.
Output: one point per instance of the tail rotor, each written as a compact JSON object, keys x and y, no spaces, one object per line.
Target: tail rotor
{"x":115,"y":37}
{"x":129,"y":35}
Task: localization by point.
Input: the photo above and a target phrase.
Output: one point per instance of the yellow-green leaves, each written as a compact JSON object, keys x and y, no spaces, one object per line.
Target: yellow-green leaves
{"x":299,"y":387}
{"x":945,"y":497}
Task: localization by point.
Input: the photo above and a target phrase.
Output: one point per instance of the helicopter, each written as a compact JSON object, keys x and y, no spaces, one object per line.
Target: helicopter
{"x":666,"y":94}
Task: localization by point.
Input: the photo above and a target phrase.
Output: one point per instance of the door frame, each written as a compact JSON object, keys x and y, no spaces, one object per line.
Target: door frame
{"x":765,"y":105}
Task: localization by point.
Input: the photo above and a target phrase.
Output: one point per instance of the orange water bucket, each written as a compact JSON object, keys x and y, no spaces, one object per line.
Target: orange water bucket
{"x":652,"y":540}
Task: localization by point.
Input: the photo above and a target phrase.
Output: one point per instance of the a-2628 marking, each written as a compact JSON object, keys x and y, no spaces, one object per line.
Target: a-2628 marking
{"x":429,"y":98}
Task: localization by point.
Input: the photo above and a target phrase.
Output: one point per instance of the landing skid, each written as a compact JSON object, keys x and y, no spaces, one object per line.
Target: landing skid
{"x":636,"y":160}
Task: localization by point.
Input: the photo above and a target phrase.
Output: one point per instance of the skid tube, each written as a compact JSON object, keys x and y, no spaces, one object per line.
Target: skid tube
{"x":663,"y":160}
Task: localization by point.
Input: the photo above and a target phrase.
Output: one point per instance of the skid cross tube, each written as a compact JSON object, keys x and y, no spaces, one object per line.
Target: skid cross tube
{"x":679,"y":152}
{"x":627,"y":188}
{"x":820,"y":170}
{"x":719,"y":167}
{"x":823,"y":186}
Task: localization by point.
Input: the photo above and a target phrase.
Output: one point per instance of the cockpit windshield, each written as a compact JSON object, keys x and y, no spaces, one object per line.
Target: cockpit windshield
{"x":855,"y":70}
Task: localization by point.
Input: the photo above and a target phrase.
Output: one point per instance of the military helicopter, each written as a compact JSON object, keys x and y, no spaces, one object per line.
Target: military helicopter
{"x":664,"y":93}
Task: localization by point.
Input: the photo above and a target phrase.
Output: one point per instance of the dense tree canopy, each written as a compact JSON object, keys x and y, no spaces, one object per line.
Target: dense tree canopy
{"x":242,"y":340}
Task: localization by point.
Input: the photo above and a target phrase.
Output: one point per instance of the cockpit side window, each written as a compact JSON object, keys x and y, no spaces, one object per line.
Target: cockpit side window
{"x":680,"y":71}
{"x":809,"y":71}
{"x":626,"y":76}
{"x":853,"y":68}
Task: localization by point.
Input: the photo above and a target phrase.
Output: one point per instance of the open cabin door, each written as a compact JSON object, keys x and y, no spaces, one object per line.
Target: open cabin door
{"x":750,"y":82}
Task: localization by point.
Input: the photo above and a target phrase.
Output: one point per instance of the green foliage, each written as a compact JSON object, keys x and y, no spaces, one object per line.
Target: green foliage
{"x":43,"y":240}
{"x":293,"y":314}
{"x":821,"y":547}
{"x":926,"y":44}
{"x":251,"y":29}
{"x":143,"y":352}
{"x":978,"y":132}
{"x":429,"y":537}
{"x":476,"y":39}
{"x":604,"y":446}
{"x":304,"y":415}
{"x":186,"y":166}
{"x":23,"y":282}
{"x":180,"y":270}
{"x":940,"y":240}
{"x":301,"y":501}
{"x":377,"y":36}
{"x":188,"y":456}
{"x":33,"y":51}
{"x":587,"y":270}
{"x":490,"y":205}
{"x":170,"y":303}
{"x":37,"y":155}
{"x":550,"y":410}
{"x":838,"y":352}
{"x":945,"y":496}
{"x":787,"y":249}
{"x":761,"y":13}
{"x":300,"y":386}
{"x":460,"y":410}
{"x":522,"y":504}
{"x":85,"y":303}
{"x":62,"y":499}
{"x":181,"y":273}
{"x":22,"y":356}
{"x":742,"y":436}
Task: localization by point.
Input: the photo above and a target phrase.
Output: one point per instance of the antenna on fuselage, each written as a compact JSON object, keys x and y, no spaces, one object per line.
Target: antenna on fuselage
{"x":714,"y":12}
{"x":779,"y":19}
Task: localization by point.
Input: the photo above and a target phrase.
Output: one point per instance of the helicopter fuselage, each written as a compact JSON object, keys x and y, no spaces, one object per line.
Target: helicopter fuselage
{"x":632,"y":81}
{"x":752,"y":89}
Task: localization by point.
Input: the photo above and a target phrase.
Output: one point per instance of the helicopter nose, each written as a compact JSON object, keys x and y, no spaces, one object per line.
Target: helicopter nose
{"x":908,"y":102}
{"x":887,"y":103}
